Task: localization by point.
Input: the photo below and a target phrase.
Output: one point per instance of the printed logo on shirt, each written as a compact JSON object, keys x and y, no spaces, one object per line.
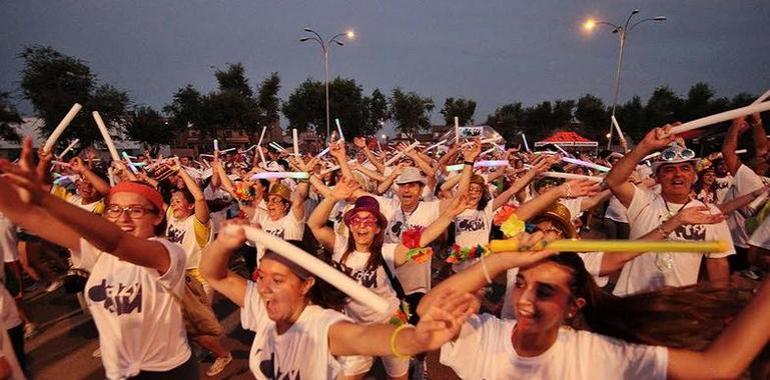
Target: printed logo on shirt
{"x":691,"y":232}
{"x":175,"y":235}
{"x":120,"y":299}
{"x":267,"y":367}
{"x":367,"y":278}
{"x":468,"y":225}
{"x":278,"y":232}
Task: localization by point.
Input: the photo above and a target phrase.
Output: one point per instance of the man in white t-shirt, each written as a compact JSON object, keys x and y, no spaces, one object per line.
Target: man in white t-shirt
{"x":648,"y":210}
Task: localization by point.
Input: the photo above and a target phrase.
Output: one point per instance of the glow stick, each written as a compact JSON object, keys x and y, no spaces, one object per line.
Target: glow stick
{"x":762,"y":97}
{"x":262,"y":136}
{"x":617,"y":127}
{"x":126,"y":155}
{"x":261,"y":155}
{"x":544,"y":152}
{"x":490,"y":150}
{"x":379,"y":147}
{"x":227,"y":150}
{"x":294,"y":175}
{"x":130,"y":164}
{"x":339,"y":129}
{"x":478,"y":164}
{"x":572,"y":176}
{"x":647,"y":157}
{"x":106,"y":136}
{"x":60,"y":163}
{"x":720,"y":117}
{"x":315,"y":266}
{"x":616,"y":246}
{"x":336,"y":167}
{"x":323,"y":152}
{"x":562,"y":150}
{"x":206,"y":155}
{"x":741,"y":151}
{"x":442,"y":142}
{"x":247,"y":150}
{"x":216,"y":145}
{"x":295,"y":140}
{"x":277,"y":147}
{"x":457,"y":130}
{"x":68,"y":148}
{"x":401,"y":153}
{"x":586,"y":164}
{"x":524,"y":138}
{"x":61,"y":127}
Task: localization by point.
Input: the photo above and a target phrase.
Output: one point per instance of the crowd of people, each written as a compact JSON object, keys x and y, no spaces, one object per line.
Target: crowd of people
{"x":150,"y":241}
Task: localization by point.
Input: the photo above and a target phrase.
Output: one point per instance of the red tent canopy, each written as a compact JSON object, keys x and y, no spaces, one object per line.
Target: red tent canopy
{"x":567,"y":138}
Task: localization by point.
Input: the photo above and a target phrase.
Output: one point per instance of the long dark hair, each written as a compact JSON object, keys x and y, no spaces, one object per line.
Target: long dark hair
{"x":375,"y":250}
{"x":689,"y":317}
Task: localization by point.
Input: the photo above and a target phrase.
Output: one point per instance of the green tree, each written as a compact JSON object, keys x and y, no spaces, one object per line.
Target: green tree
{"x":267,"y":99}
{"x":591,"y":112}
{"x":631,"y":117}
{"x":507,"y":120}
{"x":306,"y":107}
{"x":410,"y":111}
{"x":53,"y":82}
{"x":664,"y":106}
{"x":375,"y":112}
{"x":186,"y":108}
{"x":148,"y":127}
{"x":461,"y":108}
{"x":8,"y":115}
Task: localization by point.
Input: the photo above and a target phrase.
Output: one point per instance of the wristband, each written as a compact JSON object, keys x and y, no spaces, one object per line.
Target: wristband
{"x":470,"y":163}
{"x":393,"y":336}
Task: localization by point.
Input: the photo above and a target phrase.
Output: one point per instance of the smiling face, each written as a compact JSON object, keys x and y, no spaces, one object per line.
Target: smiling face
{"x":676,"y":179}
{"x":475,"y":192}
{"x":139,"y":222}
{"x":409,"y":194}
{"x":180,"y":206}
{"x":543,"y":299}
{"x":709,"y":176}
{"x":277,"y":207}
{"x":364,"y":228}
{"x":282,"y":292}
{"x":87,"y":191}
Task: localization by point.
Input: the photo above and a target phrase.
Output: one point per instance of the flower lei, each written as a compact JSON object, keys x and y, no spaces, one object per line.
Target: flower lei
{"x":410,"y":238}
{"x":512,"y":226}
{"x":401,"y":315}
{"x":461,"y":254}
{"x":244,"y":193}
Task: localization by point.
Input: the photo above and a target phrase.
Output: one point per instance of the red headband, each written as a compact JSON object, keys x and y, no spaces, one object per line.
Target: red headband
{"x":145,"y":191}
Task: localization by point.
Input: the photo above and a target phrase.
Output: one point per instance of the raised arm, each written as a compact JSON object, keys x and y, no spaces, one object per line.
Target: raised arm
{"x":571,"y":189}
{"x":730,"y":144}
{"x":201,"y":207}
{"x":761,"y":149}
{"x":317,"y":220}
{"x":84,"y":171}
{"x":360,"y":143}
{"x":337,"y":150}
{"x":655,"y":139}
{"x":538,"y":167}
{"x":214,"y":265}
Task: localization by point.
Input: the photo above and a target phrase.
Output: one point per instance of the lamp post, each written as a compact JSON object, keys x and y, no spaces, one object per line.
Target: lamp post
{"x":622,"y":32}
{"x":325,"y":45}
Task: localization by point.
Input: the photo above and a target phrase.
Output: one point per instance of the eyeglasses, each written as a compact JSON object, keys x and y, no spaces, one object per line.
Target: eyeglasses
{"x":531,"y":228}
{"x":671,"y":154}
{"x":368,"y":221}
{"x":134,"y":211}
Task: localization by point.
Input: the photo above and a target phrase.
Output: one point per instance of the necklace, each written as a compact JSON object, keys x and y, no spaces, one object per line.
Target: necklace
{"x":677,"y":211}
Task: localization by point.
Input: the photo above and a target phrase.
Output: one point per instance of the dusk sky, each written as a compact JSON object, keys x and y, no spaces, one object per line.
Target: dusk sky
{"x":492,"y":51}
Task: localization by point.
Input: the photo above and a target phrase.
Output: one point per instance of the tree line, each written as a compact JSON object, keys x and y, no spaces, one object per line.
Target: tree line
{"x":52,"y":82}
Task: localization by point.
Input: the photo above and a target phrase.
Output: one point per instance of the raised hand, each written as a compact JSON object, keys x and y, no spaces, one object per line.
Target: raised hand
{"x":472,"y":152}
{"x":359,"y":142}
{"x":698,"y":215}
{"x":77,"y":165}
{"x":30,"y":188}
{"x":337,"y":150}
{"x":530,"y":250}
{"x":658,"y":138}
{"x":345,"y":188}
{"x":232,"y":238}
{"x":579,"y":188}
{"x":443,"y":319}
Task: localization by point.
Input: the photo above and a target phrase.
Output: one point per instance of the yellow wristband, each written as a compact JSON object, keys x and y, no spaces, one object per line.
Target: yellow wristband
{"x":393,"y":336}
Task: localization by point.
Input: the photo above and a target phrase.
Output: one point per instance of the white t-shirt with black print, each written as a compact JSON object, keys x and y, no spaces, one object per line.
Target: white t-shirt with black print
{"x":414,"y":277}
{"x":744,"y":182}
{"x":140,"y":323}
{"x":301,"y":352}
{"x":375,"y":280}
{"x":472,"y":228}
{"x":651,"y":271}
{"x":483,"y":350}
{"x":288,"y":227}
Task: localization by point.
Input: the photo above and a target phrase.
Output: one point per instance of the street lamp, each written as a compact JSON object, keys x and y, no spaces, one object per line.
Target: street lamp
{"x":325,"y":44}
{"x":622,"y":32}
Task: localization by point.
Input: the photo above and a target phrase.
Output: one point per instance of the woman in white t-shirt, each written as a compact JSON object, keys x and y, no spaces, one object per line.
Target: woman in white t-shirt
{"x":364,"y":257}
{"x":296,"y":336}
{"x":135,"y":279}
{"x":554,"y":292}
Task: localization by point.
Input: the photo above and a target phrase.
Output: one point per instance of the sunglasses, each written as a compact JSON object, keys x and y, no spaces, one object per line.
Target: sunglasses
{"x":671,"y":154}
{"x":368,"y":221}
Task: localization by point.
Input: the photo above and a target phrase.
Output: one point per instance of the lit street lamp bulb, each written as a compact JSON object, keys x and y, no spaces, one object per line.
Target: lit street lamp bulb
{"x":350,"y":34}
{"x":590,"y":24}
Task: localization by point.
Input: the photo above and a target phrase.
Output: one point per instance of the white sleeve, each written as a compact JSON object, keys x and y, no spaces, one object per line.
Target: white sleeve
{"x":174,"y":276}
{"x":478,"y":337}
{"x":389,"y":256}
{"x":746,"y":181}
{"x":87,"y":255}
{"x":253,"y":314}
{"x":719,"y":231}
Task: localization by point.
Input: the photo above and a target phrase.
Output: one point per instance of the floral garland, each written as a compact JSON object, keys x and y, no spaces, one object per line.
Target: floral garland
{"x":401,"y":315}
{"x":461,"y":254}
{"x":512,"y":226}
{"x":410,"y":238}
{"x":244,"y":192}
